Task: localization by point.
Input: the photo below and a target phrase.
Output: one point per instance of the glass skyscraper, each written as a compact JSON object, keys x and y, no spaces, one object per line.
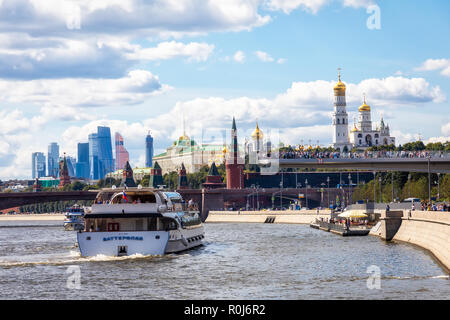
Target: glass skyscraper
{"x":82,"y":166}
{"x":71,"y":165}
{"x":53,"y":159}
{"x":105,"y":154}
{"x":101,"y":159}
{"x":149,"y":150}
{"x":37,"y":165}
{"x":93,"y":156}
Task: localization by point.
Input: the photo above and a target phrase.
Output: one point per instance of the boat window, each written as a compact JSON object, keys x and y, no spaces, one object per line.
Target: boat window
{"x":188,"y":221}
{"x":168,"y":224}
{"x":139,"y":225}
{"x":145,"y":198}
{"x":151,"y":224}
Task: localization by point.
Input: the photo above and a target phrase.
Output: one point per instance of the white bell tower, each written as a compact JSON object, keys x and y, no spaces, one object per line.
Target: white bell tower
{"x":341,"y":137}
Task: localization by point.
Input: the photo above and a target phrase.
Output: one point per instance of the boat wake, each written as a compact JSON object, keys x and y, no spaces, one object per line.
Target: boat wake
{"x":71,"y":258}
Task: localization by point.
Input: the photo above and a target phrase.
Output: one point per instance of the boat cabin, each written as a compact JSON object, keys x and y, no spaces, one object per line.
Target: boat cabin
{"x":137,"y":209}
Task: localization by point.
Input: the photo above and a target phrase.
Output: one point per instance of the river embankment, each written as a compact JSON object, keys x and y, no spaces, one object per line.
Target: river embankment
{"x":429,"y":230}
{"x":32,"y":217}
{"x":286,"y":216}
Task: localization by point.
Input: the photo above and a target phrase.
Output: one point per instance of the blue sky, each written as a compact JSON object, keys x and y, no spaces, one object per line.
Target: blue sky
{"x":68,"y":66}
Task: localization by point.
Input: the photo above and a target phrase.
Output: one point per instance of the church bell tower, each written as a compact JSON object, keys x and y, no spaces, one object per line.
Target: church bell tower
{"x":341,"y":138}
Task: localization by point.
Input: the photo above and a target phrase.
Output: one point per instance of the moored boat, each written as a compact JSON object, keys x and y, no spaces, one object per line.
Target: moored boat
{"x":73,"y":220}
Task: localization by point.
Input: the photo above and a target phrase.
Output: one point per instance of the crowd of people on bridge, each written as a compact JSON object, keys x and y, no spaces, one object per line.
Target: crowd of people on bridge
{"x":425,"y":205}
{"x":315,"y":154}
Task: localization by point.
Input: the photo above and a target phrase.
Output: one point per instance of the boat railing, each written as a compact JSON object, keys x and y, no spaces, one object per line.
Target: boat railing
{"x":124,"y":207}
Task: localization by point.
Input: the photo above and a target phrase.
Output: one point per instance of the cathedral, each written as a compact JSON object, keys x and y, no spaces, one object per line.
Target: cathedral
{"x":362,"y":136}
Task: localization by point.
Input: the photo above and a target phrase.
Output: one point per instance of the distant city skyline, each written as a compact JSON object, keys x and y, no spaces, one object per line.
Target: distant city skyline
{"x":94,"y":159}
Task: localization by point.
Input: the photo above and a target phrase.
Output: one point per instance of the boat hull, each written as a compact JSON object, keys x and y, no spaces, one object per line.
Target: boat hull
{"x":122,"y":243}
{"x":73,"y":226}
{"x":185,"y":239}
{"x":145,"y":242}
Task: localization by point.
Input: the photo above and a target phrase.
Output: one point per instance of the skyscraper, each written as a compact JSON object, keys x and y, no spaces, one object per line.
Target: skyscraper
{"x":93,"y":156}
{"x":105,"y":155}
{"x":82,"y":166}
{"x":71,"y":166}
{"x":53,"y":159}
{"x":37,"y":165}
{"x":101,"y":160}
{"x":122,"y":155}
{"x":149,"y":150}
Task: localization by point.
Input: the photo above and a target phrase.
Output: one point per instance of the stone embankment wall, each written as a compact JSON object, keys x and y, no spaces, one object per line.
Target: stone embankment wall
{"x":429,"y":230}
{"x":32,"y":217}
{"x":288,"y":216}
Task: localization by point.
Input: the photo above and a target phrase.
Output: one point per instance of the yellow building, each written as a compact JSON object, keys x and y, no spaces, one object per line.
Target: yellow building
{"x":194,"y":156}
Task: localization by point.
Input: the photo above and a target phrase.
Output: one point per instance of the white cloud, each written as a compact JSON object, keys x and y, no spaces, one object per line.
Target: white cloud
{"x":281,"y":61}
{"x":443,"y":65}
{"x":239,"y":56}
{"x":287,"y":6}
{"x":193,"y":51}
{"x":445,"y":129}
{"x":358,"y":3}
{"x":130,"y":16}
{"x":134,"y":88}
{"x":380,"y":92}
{"x":312,"y":6}
{"x":264,"y":56}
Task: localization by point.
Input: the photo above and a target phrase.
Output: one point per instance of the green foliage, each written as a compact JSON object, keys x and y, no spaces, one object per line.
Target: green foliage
{"x":52,"y":207}
{"x":108,"y":182}
{"x":416,"y":186}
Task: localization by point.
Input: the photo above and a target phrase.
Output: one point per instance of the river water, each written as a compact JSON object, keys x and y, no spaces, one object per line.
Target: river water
{"x":237,"y":261}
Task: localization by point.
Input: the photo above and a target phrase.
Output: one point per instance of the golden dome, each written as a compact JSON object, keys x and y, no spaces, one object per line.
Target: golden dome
{"x":257,"y":133}
{"x":339,"y":88}
{"x":224,"y":150}
{"x":355,"y":129}
{"x":364,"y":106}
{"x":183,"y":137}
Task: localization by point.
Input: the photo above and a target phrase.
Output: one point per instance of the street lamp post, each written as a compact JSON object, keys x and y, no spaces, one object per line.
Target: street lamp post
{"x":257,"y":198}
{"x":409,"y":183}
{"x":281,"y":195}
{"x":306,"y":185}
{"x":374,"y":187}
{"x":392,"y":184}
{"x":439,"y":190}
{"x":350,"y":186}
{"x":328,"y":191}
{"x":321,"y":193}
{"x":379,"y":179}
{"x":429,"y":181}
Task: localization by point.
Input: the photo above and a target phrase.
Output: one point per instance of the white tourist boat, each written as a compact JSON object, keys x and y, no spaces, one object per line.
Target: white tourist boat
{"x":73,"y":220}
{"x":139,"y":221}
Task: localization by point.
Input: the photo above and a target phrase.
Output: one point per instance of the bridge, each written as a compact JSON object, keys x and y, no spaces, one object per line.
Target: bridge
{"x":212,"y":199}
{"x":432,"y":165}
{"x":16,"y":199}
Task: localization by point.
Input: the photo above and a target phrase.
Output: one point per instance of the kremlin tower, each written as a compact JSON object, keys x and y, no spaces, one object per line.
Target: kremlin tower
{"x":64,"y":178}
{"x":233,"y":165}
